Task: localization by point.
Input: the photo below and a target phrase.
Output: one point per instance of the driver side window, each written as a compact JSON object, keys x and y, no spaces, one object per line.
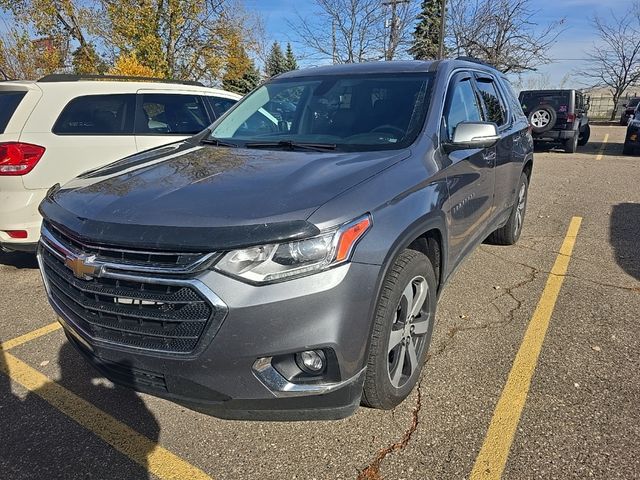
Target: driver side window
{"x":462,"y":106}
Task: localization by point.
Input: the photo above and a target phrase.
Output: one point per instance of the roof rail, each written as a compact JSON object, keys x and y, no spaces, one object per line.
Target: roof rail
{"x":475,"y":60}
{"x":65,"y":77}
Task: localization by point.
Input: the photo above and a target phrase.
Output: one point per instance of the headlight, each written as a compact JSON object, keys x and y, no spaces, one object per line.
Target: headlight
{"x":273,"y":262}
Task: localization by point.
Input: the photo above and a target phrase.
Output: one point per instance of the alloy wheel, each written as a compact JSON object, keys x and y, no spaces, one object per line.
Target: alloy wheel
{"x":540,"y":118}
{"x":407,"y":336}
{"x":522,"y":203}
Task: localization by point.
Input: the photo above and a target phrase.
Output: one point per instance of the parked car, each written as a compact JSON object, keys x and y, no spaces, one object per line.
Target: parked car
{"x":291,"y":273}
{"x":557,"y":116}
{"x":632,"y":137}
{"x":62,"y":125}
{"x":629,"y":110}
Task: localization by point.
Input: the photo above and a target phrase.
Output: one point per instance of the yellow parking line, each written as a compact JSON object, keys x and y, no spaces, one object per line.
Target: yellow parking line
{"x":27,"y":337}
{"x":493,"y":455}
{"x":602,"y":147}
{"x":137,"y":447}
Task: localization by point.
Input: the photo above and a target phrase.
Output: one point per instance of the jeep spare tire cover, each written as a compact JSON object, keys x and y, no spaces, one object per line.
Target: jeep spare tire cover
{"x":542,"y":118}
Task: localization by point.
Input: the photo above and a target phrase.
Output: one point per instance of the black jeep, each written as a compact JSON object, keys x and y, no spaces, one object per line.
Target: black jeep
{"x":557,"y":116}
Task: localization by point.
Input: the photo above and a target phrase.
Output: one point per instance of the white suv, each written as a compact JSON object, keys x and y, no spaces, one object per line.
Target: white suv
{"x":56,"y":128}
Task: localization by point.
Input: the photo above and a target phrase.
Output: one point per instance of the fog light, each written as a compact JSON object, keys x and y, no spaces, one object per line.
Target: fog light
{"x":311,"y":361}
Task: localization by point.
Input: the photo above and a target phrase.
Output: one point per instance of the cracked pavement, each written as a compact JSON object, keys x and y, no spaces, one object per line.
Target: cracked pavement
{"x":581,"y":418}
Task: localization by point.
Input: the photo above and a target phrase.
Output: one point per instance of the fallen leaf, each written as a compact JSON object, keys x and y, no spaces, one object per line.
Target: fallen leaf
{"x":45,"y":363}
{"x":596,"y":348}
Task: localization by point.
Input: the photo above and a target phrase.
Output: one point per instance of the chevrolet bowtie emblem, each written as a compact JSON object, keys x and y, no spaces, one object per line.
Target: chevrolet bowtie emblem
{"x":82,"y":267}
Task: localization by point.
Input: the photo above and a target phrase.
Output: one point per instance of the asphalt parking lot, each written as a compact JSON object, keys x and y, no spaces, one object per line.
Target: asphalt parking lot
{"x":559,"y":309}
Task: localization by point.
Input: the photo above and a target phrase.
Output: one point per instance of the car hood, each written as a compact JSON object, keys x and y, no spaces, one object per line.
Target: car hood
{"x":232,"y":192}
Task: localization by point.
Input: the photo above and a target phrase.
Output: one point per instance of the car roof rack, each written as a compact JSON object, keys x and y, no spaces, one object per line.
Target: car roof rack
{"x":66,"y":77}
{"x":475,"y":60}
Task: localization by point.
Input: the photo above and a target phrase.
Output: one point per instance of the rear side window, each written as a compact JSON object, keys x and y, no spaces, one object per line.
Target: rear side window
{"x":97,"y":115}
{"x":462,"y":106}
{"x":9,"y":101}
{"x":512,"y":98}
{"x":221,"y":105}
{"x":162,"y":114}
{"x":495,"y":108}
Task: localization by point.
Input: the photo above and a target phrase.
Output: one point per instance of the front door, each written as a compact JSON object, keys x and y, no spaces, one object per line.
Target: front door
{"x":470,"y":172}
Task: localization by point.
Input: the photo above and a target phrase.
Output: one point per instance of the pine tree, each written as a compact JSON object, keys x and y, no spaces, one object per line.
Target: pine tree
{"x":243,"y":84}
{"x":276,"y":62}
{"x":290,"y":61}
{"x":426,"y":37}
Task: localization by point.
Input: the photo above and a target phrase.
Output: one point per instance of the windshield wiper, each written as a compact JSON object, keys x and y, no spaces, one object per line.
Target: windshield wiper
{"x":217,"y":142}
{"x":317,"y":147}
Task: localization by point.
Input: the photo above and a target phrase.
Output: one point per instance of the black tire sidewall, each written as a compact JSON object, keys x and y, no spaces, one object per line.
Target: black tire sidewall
{"x":512,"y":221}
{"x":386,"y":394}
{"x":586,"y":134}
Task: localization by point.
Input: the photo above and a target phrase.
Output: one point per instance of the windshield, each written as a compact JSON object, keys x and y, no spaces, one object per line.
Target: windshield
{"x":350,"y":112}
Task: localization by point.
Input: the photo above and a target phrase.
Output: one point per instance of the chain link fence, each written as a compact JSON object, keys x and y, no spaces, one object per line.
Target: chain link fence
{"x":602,"y":105}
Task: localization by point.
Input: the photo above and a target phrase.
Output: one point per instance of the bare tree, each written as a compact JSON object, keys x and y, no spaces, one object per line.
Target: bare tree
{"x":615,"y":61}
{"x":503,"y":33}
{"x":353,"y":31}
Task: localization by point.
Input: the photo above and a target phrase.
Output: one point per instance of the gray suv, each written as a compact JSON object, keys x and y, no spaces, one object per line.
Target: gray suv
{"x":286,"y":262}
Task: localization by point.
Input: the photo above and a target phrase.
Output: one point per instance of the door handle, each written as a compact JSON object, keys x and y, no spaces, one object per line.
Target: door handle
{"x":489,"y":157}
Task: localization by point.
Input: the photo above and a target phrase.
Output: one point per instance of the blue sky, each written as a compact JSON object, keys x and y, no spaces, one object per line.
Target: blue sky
{"x":577,"y":37}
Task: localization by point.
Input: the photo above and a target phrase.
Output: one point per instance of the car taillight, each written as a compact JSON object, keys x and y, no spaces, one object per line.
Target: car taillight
{"x":571,"y":117}
{"x":17,"y":158}
{"x":16,"y":233}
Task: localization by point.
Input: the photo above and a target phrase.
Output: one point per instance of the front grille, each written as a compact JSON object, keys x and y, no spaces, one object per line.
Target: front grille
{"x":135,"y":259}
{"x":146,"y":313}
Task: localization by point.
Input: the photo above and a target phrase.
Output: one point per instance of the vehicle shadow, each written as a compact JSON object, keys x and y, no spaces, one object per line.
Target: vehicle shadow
{"x":624,"y":232}
{"x":612,"y":149}
{"x":38,"y":441}
{"x":19,"y":260}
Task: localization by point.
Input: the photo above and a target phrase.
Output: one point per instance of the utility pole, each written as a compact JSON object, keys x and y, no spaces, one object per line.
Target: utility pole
{"x":334,"y":53}
{"x":393,"y":32}
{"x":443,"y":20}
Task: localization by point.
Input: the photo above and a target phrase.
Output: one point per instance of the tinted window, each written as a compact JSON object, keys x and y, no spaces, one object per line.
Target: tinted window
{"x":9,"y":101}
{"x":633,"y":102}
{"x":462,"y":106}
{"x":165,"y":114}
{"x":221,"y":104}
{"x":353,"y":112}
{"x":97,"y":115}
{"x":513,"y":98}
{"x":495,"y":109}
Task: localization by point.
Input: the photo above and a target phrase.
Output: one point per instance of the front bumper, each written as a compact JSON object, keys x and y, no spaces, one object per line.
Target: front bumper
{"x":228,"y":377}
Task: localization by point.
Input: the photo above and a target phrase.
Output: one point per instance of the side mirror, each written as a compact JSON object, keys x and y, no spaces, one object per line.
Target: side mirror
{"x":473,"y":135}
{"x":624,"y":104}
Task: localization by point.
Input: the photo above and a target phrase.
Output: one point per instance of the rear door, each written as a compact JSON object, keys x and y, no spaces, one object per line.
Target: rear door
{"x":470,"y":172}
{"x":90,"y":131}
{"x":166,"y":117}
{"x":219,"y":105}
{"x":496,"y":110}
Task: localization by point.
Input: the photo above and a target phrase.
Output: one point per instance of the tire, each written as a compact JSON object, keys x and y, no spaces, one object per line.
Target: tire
{"x":510,"y":232}
{"x":571,"y":144}
{"x":542,"y":119}
{"x":392,"y":373}
{"x":583,"y":138}
{"x":628,"y":149}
